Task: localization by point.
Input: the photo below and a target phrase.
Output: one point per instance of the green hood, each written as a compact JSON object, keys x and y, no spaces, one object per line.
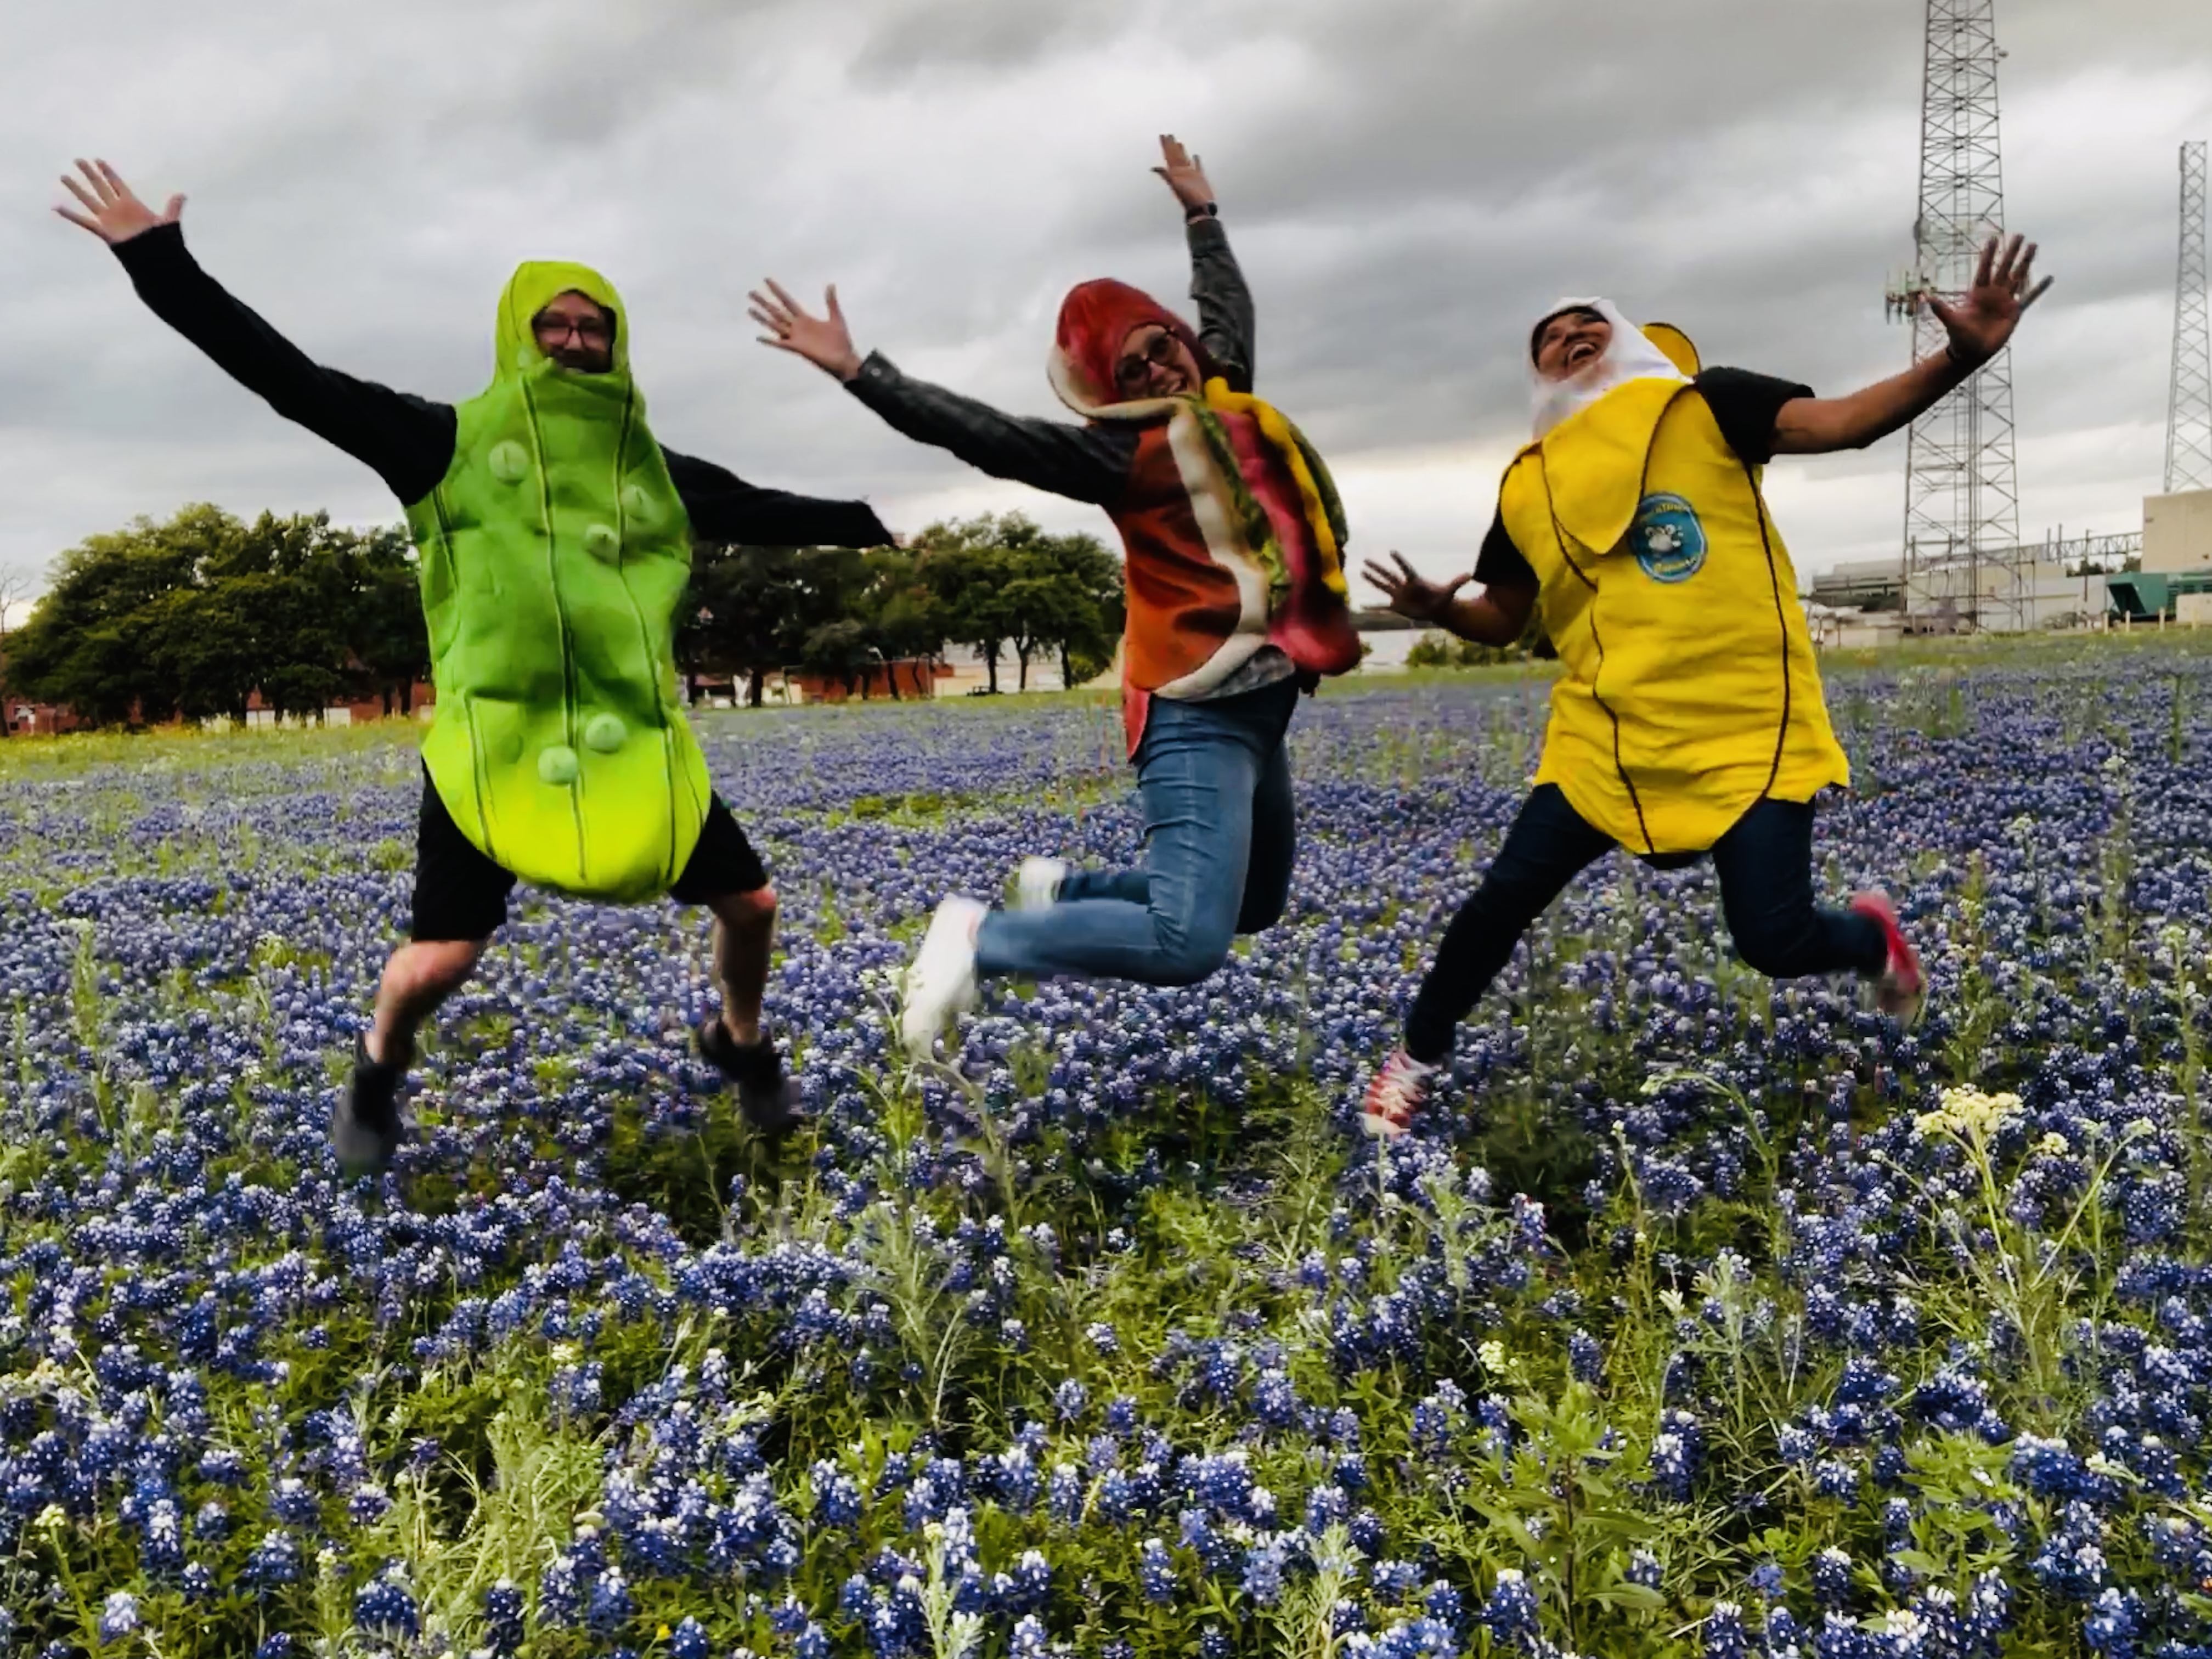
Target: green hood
{"x":535,"y":285}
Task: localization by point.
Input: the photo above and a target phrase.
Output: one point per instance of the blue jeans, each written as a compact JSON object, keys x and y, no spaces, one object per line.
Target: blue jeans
{"x":1220,"y":834}
{"x":1765,"y":863}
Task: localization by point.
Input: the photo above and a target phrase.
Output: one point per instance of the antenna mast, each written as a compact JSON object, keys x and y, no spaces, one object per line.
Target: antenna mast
{"x":1961,"y":492}
{"x":2188,"y":402}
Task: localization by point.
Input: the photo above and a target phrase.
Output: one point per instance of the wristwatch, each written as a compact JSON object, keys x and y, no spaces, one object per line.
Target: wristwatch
{"x":1203,"y":210}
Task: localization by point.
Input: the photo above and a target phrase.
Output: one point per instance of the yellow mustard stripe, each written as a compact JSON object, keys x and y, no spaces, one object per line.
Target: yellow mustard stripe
{"x":1277,"y":431}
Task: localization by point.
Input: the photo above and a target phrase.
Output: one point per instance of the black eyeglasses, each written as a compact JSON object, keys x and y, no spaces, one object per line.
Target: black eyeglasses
{"x":591,"y":330}
{"x":1130,"y":372}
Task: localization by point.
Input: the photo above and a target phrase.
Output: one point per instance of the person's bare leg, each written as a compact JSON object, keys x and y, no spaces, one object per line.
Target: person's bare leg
{"x":745,"y":930}
{"x":416,"y":979}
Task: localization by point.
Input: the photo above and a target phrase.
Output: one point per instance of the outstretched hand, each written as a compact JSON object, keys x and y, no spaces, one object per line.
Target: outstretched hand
{"x":1410,"y":595}
{"x":825,"y":341}
{"x":1185,"y":175}
{"x":1984,"y":320}
{"x":111,"y":212}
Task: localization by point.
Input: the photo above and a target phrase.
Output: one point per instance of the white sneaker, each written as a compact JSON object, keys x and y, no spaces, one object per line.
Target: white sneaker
{"x":940,"y":983}
{"x":1037,"y":884}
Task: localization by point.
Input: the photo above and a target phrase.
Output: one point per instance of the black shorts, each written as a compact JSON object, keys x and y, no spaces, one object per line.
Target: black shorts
{"x":460,"y":894}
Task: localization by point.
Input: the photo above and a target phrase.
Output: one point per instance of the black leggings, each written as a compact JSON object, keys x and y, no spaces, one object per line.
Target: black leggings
{"x":1765,"y":863}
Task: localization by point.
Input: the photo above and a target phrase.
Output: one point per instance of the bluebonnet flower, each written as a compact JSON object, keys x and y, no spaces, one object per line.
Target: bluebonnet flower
{"x":118,"y":1618}
{"x":385,"y":1607}
{"x":1510,"y":1614}
{"x":1156,"y":1571}
{"x":1393,"y":1579}
{"x":295,"y":1504}
{"x":367,"y":1505}
{"x":1326,"y":1506}
{"x":1441,"y":1608}
{"x":1265,"y":1564}
{"x":502,"y":1619}
{"x":836,"y":1494}
{"x":1064,"y":1494}
{"x":1832,"y":1574}
{"x":2110,"y":1626}
{"x":1723,"y":1636}
{"x":274,"y":1561}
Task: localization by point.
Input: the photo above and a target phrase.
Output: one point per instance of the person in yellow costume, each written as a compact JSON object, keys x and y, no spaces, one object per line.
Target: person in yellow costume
{"x":1690,"y":720}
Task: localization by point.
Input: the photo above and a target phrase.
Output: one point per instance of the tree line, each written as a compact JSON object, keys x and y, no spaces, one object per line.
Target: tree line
{"x":192,"y":618}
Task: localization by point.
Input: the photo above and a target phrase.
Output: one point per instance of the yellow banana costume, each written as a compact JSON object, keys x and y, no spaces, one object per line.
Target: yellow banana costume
{"x":1691,"y":690}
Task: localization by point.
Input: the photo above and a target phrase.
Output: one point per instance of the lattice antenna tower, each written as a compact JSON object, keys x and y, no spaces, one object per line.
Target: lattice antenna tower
{"x":1961,"y":491}
{"x":2189,"y":403}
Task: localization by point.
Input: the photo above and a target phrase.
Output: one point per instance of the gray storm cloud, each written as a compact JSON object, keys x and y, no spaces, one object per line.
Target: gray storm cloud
{"x":1406,"y":181}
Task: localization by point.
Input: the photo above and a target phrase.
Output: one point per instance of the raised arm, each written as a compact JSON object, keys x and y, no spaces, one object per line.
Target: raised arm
{"x":724,"y":508}
{"x":1086,"y":463}
{"x":407,"y":440}
{"x":1225,"y":318}
{"x":1979,"y":327}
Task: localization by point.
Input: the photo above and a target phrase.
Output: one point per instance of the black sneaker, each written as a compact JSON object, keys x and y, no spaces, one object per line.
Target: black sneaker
{"x":769,"y":1099}
{"x":365,"y":1125}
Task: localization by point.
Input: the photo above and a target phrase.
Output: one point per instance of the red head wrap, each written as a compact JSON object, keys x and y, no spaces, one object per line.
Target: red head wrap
{"x":1096,"y":319}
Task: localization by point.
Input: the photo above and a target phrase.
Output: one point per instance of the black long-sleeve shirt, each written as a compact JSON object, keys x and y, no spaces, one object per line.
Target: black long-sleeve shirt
{"x":1088,"y":463}
{"x":407,"y":440}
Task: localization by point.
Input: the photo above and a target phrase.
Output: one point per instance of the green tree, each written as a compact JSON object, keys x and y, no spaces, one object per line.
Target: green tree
{"x":91,"y":644}
{"x":905,"y":619}
{"x":1090,"y":604}
{"x":754,"y":610}
{"x":194,"y":616}
{"x":386,"y":635}
{"x":1000,"y":582}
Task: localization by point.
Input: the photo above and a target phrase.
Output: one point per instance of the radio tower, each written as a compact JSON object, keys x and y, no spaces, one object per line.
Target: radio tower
{"x":2189,"y":403}
{"x":1961,"y":494}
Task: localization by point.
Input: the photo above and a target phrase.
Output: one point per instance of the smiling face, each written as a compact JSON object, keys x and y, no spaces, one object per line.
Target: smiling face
{"x":1153,"y":362}
{"x":1570,"y":342}
{"x":576,"y":332}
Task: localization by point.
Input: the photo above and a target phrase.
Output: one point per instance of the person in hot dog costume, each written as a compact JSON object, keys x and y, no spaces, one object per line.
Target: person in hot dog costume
{"x":1236,"y":599}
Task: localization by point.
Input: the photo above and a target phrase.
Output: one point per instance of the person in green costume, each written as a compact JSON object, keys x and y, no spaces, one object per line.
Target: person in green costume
{"x":555,"y":536}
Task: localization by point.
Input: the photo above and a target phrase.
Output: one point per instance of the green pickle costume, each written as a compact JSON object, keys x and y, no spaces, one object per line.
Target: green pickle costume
{"x":555,"y":552}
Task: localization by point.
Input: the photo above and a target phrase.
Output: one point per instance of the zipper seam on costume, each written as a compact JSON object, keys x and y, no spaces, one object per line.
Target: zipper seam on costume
{"x":644,"y":635}
{"x":1619,"y":766}
{"x":1782,"y":626}
{"x":476,"y":780}
{"x":561,"y":620}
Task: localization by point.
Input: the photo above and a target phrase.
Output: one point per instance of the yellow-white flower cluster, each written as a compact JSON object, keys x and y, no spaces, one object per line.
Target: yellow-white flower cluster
{"x":1969,"y":1114}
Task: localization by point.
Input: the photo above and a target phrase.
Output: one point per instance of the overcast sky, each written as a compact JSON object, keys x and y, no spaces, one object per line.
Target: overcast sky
{"x":1407,"y":182}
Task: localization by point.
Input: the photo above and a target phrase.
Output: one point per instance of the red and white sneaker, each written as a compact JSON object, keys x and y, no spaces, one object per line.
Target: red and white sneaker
{"x":1399,"y":1089}
{"x":1900,"y":990}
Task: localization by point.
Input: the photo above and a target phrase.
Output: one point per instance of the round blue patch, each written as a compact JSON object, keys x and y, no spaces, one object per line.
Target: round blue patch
{"x":1667,"y":539}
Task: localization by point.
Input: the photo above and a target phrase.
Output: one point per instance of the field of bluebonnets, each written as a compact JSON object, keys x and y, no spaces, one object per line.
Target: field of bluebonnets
{"x":1703,"y":1317}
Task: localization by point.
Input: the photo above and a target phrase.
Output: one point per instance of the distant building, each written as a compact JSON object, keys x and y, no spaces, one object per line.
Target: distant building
{"x":2178,"y":532}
